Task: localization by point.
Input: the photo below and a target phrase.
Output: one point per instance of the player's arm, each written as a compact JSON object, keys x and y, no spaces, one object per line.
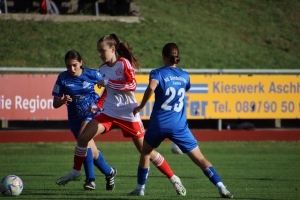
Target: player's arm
{"x":59,"y":101}
{"x":147,"y":95}
{"x":59,"y":98}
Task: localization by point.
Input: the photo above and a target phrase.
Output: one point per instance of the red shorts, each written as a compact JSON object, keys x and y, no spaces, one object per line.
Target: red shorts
{"x":129,"y":129}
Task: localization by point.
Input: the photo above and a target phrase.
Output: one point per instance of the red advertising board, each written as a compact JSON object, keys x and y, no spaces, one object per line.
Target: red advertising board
{"x":29,"y":97}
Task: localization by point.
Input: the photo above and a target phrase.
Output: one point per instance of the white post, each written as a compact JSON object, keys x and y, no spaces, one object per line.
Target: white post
{"x":277,"y":123}
{"x":97,"y":8}
{"x":4,"y":123}
{"x":220,"y":124}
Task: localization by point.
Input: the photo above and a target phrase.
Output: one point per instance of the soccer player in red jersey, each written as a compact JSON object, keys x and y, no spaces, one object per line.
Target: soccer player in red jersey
{"x":118,"y":101}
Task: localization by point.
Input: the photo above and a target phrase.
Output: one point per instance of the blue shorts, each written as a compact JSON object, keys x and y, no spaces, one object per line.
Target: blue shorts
{"x":183,"y":138}
{"x":75,"y":125}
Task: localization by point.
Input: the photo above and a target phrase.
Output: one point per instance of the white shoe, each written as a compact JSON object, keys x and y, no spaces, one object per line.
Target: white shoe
{"x":225,"y":193}
{"x":137,"y":192}
{"x":180,"y":189}
{"x":69,"y":177}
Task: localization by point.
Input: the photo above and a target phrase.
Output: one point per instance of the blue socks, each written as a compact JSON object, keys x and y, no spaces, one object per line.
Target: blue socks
{"x":89,"y":165}
{"x":142,"y":175}
{"x":213,"y":176}
{"x":101,"y":164}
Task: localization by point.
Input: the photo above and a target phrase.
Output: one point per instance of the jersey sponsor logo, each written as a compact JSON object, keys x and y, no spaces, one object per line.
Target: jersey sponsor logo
{"x":56,"y":88}
{"x":69,"y":85}
{"x":85,"y":84}
{"x":118,"y":72}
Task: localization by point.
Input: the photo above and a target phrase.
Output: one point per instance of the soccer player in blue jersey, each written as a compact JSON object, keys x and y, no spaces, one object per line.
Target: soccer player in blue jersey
{"x":168,"y":119}
{"x":75,"y":89}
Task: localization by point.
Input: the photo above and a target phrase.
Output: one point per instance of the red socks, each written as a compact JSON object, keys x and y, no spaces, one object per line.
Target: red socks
{"x":79,"y":156}
{"x":162,"y":165}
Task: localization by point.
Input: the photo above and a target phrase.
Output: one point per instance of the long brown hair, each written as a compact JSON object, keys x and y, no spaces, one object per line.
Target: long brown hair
{"x":123,"y":49}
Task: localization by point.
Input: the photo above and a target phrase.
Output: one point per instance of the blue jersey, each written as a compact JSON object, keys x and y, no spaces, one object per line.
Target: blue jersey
{"x":81,"y":90}
{"x":169,"y":110}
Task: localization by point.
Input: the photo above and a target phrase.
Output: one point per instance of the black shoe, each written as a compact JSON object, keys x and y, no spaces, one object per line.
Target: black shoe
{"x":89,"y":184}
{"x":110,"y":180}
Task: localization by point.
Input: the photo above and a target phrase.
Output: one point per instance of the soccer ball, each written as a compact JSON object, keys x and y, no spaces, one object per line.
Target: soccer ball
{"x":175,"y":149}
{"x":11,"y":185}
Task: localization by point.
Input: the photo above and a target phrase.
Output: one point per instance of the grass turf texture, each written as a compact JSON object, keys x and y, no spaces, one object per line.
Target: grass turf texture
{"x":210,"y":34}
{"x":250,"y":170}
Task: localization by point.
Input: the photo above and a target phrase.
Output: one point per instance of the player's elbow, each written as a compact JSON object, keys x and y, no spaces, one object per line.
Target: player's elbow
{"x":55,"y":105}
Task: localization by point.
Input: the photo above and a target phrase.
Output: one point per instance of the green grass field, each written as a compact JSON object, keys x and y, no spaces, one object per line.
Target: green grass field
{"x":211,"y":34}
{"x":250,"y":170}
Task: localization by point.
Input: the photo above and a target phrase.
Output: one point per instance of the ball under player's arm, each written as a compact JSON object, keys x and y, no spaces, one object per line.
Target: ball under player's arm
{"x":147,"y":95}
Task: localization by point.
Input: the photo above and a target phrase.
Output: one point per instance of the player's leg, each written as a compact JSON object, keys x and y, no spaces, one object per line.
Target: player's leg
{"x":158,"y":160}
{"x":101,"y":164}
{"x":198,"y":158}
{"x":143,"y":169}
{"x":88,"y":165}
{"x":89,"y":171}
{"x":92,"y":129}
{"x":76,"y":128}
{"x":154,"y":137}
{"x":136,"y":131}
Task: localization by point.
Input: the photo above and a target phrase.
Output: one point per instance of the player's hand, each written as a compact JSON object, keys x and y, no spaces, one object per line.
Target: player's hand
{"x":93,"y":109}
{"x":67,"y":99}
{"x":100,"y":84}
{"x":136,"y":110}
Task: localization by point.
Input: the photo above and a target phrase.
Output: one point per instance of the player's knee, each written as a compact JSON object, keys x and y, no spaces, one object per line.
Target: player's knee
{"x":82,"y":140}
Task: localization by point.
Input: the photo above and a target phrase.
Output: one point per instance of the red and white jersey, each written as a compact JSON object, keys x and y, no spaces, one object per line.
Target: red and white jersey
{"x":118,"y":100}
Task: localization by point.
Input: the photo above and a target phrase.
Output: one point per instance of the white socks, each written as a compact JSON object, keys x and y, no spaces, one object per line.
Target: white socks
{"x":173,"y":179}
{"x":220,"y":185}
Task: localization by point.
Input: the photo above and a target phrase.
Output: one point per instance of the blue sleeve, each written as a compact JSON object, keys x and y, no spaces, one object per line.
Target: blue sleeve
{"x":154,"y":75}
{"x":93,"y":75}
{"x":58,"y":89}
{"x":98,"y":76}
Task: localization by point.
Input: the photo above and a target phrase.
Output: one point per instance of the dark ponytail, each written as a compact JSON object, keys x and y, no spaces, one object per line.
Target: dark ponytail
{"x":123,"y":49}
{"x":171,"y":51}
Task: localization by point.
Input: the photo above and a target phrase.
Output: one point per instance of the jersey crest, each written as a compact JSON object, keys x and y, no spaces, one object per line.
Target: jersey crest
{"x":85,"y":84}
{"x":118,"y":72}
